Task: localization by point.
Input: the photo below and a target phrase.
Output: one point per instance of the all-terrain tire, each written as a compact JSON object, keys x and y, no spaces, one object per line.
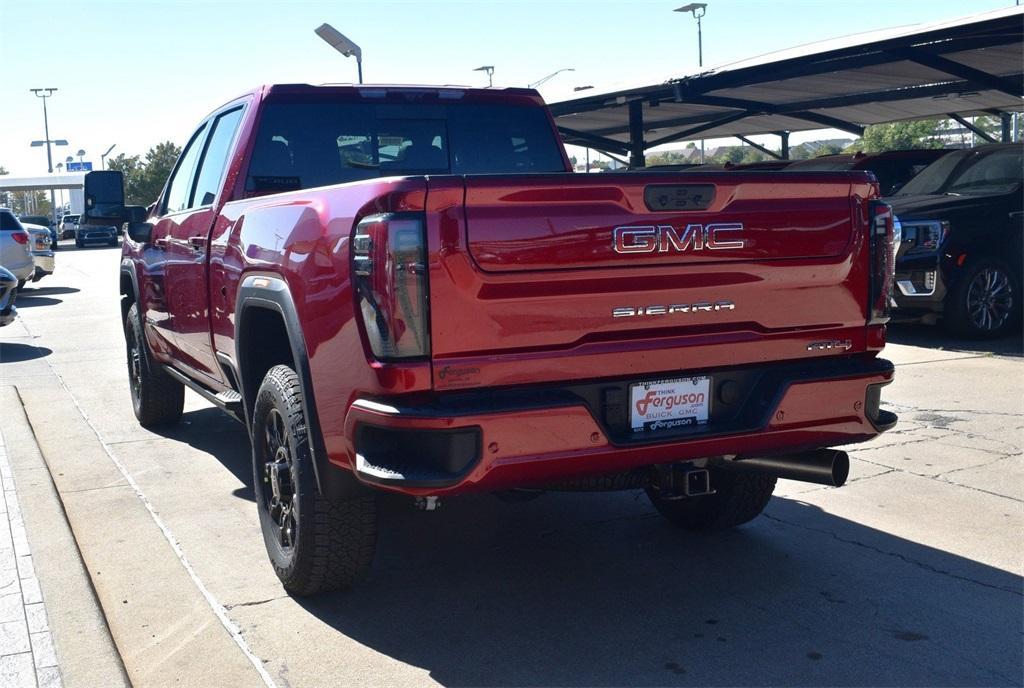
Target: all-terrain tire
{"x":315,"y":544}
{"x":985,"y":303}
{"x":157,"y":398}
{"x":738,"y":498}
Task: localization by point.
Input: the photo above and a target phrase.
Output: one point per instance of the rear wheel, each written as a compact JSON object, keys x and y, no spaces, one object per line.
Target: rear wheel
{"x":738,"y":498}
{"x":985,"y":303}
{"x":315,"y":544}
{"x":157,"y":398}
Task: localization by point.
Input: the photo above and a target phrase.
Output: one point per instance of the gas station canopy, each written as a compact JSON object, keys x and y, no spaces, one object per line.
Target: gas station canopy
{"x":968,"y":66}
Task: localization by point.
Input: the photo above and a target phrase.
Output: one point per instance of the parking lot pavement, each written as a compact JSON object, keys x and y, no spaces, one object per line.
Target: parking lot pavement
{"x":909,"y":575}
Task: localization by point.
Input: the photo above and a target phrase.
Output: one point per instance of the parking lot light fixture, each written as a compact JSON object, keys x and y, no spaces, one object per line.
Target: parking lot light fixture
{"x":103,"y":157}
{"x":549,"y":77}
{"x":490,"y":73}
{"x":45,"y":93}
{"x":80,"y":154}
{"x":343,"y":45}
{"x":697,"y":9}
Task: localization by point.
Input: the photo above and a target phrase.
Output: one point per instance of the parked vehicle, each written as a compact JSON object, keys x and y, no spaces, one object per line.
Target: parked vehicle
{"x":8,"y":294}
{"x":959,"y":258}
{"x":15,"y":251}
{"x":41,"y":250}
{"x":42,"y":221}
{"x":87,"y":234}
{"x":893,"y":169}
{"x":405,"y":289}
{"x":68,"y":226}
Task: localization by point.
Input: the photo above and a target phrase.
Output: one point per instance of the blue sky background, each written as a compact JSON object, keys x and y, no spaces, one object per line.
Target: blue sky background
{"x":136,"y":73}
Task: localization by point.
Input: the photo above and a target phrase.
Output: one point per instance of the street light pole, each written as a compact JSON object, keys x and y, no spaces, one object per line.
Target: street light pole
{"x":103,"y":157}
{"x":45,"y":93}
{"x":490,"y":73}
{"x":697,"y":9}
{"x":343,"y":45}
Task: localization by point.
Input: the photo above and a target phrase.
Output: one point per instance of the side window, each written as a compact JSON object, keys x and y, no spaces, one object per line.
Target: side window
{"x":211,"y":169}
{"x":181,"y":183}
{"x":8,"y":223}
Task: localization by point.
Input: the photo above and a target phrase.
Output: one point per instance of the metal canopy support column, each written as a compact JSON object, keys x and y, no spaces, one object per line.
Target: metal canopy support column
{"x":784,"y":136}
{"x":766,"y":151}
{"x":636,"y":134}
{"x":1006,"y":119}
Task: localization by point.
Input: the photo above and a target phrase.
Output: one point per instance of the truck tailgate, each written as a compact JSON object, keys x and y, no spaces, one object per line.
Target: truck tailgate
{"x":583,"y":276}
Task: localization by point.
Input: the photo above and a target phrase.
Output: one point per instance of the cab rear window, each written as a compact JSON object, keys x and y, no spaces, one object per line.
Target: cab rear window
{"x":301,"y":145}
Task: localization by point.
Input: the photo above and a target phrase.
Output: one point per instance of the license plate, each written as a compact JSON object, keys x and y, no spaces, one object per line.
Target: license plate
{"x":667,"y":404}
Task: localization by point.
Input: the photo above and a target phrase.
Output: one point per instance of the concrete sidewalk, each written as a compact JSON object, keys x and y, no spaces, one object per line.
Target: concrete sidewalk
{"x":27,"y":657}
{"x":52,"y":629}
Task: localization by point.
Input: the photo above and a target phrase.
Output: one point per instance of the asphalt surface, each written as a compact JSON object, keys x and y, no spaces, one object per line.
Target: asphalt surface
{"x":908,"y":575}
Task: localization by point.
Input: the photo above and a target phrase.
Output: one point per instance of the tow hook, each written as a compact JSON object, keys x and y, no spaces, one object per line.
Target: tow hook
{"x":679,"y":481}
{"x":428,"y":503}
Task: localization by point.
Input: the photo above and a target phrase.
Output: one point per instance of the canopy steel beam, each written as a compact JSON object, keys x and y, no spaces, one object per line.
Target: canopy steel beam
{"x":686,"y":133}
{"x":975,"y":76}
{"x":973,"y":127}
{"x":828,"y":121}
{"x":593,"y":141}
{"x":758,"y":146}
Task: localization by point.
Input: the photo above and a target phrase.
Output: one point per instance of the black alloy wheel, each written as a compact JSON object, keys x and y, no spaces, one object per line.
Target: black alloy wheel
{"x":989,"y":299}
{"x":315,"y":544}
{"x":985,"y":303}
{"x":279,"y":480}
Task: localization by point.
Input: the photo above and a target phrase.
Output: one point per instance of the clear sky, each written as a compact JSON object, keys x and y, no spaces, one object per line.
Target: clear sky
{"x":139,"y":72}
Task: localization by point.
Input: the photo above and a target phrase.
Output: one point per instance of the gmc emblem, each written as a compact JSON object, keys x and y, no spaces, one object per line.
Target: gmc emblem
{"x":665,"y":238}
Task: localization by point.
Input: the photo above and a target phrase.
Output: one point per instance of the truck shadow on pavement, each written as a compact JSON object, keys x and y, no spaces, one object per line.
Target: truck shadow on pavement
{"x":210,"y":430}
{"x":932,"y":337}
{"x":595,"y":589}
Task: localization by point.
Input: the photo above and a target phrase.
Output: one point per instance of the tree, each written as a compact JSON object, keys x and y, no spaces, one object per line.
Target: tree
{"x":132,"y":169}
{"x":901,"y":135}
{"x":160,"y":161}
{"x":144,"y":179}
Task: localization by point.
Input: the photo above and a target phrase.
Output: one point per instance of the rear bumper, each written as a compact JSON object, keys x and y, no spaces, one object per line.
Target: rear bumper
{"x":498,"y":439}
{"x":44,"y":263}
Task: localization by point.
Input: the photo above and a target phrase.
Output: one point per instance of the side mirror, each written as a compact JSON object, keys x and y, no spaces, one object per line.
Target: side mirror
{"x":139,"y":230}
{"x":104,"y":199}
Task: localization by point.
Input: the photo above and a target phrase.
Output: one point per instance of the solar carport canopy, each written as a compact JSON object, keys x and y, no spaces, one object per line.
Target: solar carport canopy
{"x":969,"y":66}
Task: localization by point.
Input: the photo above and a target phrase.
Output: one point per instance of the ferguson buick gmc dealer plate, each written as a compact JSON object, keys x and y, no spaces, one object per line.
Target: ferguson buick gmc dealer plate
{"x":667,"y":404}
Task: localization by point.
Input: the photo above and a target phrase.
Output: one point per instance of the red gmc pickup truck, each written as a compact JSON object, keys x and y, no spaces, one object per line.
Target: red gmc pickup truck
{"x":406,"y":289}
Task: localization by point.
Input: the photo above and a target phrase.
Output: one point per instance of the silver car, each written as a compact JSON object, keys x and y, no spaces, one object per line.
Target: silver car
{"x":8,"y":291}
{"x":15,"y":248}
{"x":41,"y":250}
{"x":68,"y":227}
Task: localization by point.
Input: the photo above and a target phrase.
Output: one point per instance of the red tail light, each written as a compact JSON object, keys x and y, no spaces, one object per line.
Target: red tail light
{"x":883,"y":263}
{"x":20,"y":237}
{"x":389,"y":269}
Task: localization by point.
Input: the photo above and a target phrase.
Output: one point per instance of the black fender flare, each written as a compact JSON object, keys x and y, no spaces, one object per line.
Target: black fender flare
{"x":269,"y":291}
{"x":128,"y":268}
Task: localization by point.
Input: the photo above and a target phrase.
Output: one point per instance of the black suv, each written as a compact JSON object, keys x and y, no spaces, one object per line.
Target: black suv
{"x":959,"y":253}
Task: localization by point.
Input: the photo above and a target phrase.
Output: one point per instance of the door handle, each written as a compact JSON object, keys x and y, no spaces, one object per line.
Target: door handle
{"x":197,"y":241}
